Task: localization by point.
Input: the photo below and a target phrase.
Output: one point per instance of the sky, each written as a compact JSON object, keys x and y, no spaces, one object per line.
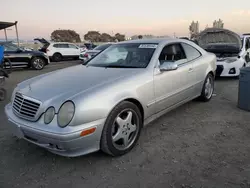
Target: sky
{"x":38,"y":18}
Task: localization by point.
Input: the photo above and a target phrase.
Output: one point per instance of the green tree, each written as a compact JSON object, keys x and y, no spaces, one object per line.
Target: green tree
{"x":119,"y":37}
{"x":65,"y":36}
{"x":93,"y":36}
{"x":105,"y":37}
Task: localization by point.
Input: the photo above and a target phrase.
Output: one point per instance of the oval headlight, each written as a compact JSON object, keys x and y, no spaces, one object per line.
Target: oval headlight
{"x":65,"y":113}
{"x":49,"y":115}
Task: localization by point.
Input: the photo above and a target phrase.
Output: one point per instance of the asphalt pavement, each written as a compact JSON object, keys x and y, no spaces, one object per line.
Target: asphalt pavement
{"x":196,"y":145}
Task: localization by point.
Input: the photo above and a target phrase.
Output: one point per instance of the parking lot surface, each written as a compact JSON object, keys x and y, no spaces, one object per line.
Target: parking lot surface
{"x":196,"y":145}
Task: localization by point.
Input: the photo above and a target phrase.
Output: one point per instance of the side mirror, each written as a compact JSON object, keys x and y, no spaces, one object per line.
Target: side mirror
{"x":168,"y":66}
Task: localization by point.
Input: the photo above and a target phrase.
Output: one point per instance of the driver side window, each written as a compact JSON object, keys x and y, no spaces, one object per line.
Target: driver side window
{"x":173,"y":53}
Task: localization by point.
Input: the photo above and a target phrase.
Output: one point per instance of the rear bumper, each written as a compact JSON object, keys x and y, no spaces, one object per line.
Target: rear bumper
{"x":65,"y":144}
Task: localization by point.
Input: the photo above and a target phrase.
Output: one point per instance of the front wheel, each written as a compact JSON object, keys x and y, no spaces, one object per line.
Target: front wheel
{"x":208,"y":88}
{"x":122,"y":129}
{"x":37,"y":63}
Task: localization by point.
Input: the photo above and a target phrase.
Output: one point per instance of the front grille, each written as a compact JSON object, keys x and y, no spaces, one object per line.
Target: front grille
{"x":219,"y":70}
{"x":25,"y":107}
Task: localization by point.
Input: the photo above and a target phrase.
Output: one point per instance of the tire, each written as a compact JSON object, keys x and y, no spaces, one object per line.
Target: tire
{"x":7,"y":63}
{"x":37,"y":63}
{"x":206,"y":96}
{"x":57,"y":57}
{"x":111,"y":142}
{"x":3,"y":94}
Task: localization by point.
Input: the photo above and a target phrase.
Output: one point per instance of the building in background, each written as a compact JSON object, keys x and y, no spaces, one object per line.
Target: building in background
{"x":194,"y":29}
{"x":218,"y":24}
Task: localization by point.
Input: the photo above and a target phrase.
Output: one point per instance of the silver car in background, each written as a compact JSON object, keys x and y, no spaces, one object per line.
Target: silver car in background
{"x":86,"y":55}
{"x":105,"y":104}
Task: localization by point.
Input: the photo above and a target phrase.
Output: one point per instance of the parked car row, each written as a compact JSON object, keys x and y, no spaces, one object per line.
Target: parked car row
{"x":21,"y":57}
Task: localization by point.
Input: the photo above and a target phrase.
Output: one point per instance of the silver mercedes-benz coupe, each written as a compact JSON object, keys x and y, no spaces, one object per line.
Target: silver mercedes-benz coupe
{"x":104,"y":105}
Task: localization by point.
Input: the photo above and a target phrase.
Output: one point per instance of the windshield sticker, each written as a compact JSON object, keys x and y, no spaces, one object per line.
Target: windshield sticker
{"x":148,"y":46}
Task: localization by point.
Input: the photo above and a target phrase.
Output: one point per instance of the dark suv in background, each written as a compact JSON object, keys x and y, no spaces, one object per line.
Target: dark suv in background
{"x":21,"y":58}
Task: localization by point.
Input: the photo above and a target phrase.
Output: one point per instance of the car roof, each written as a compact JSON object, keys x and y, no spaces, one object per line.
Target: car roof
{"x":61,"y":43}
{"x":154,"y":40}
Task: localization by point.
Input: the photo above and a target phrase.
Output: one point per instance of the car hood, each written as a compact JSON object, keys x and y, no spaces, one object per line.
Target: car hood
{"x":33,"y":52}
{"x":219,"y":39}
{"x":63,"y":84}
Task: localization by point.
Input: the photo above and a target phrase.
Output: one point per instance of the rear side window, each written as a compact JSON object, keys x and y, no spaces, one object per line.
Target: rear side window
{"x":174,"y":53}
{"x":60,"y":45}
{"x":72,"y":46}
{"x":191,"y":52}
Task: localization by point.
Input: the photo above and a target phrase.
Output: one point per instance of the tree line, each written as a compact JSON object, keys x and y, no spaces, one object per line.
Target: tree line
{"x":63,"y":35}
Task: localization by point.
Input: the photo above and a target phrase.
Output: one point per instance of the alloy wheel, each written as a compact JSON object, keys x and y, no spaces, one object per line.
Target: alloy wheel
{"x":125,"y":129}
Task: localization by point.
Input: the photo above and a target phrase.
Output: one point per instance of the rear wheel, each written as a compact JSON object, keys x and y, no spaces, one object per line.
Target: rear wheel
{"x":37,"y":63}
{"x":2,"y":94}
{"x":208,"y":88}
{"x":122,"y":129}
{"x":57,"y":57}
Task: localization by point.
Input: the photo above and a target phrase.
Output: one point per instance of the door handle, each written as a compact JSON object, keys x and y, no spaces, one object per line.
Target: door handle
{"x":190,"y":69}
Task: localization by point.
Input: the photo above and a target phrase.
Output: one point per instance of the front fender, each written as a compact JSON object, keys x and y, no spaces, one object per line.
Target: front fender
{"x":99,"y":103}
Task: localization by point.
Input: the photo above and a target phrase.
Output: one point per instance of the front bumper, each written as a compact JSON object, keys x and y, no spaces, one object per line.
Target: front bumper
{"x":229,"y":69}
{"x":68,"y":144}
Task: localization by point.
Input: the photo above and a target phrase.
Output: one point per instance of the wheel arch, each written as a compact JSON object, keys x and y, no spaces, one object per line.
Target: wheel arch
{"x":211,"y":72}
{"x":43,"y":58}
{"x":57,"y":53}
{"x":138,"y":104}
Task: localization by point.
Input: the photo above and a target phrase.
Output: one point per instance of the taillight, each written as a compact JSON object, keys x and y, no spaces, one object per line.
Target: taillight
{"x":86,"y":55}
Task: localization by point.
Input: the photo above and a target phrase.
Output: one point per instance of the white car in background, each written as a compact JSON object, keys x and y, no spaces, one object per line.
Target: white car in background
{"x":231,"y":50}
{"x":86,"y":55}
{"x":57,"y":51}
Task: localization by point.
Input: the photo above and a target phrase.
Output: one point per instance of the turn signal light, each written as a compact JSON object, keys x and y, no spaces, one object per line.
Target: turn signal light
{"x":88,"y":131}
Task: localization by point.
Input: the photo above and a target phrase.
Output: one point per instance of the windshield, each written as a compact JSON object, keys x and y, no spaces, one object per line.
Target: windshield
{"x":102,"y":47}
{"x":130,"y":55}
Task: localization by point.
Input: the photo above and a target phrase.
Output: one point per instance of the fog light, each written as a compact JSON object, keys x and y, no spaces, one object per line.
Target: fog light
{"x":232,"y":71}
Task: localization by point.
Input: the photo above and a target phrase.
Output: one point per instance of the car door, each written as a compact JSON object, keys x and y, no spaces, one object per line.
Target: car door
{"x":172,"y":87}
{"x":74,"y":50}
{"x":199,"y":67}
{"x":16,"y":55}
{"x":62,"y":48}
